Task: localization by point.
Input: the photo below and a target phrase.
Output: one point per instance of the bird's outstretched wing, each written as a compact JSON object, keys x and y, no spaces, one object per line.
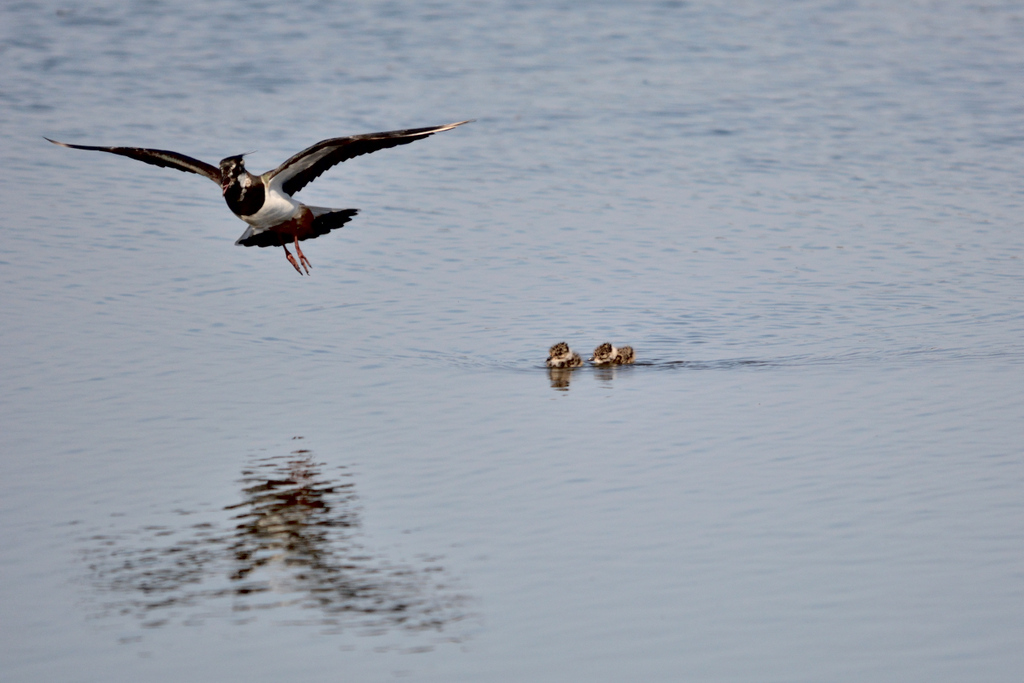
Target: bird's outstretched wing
{"x":157,"y":157}
{"x":304,"y":167}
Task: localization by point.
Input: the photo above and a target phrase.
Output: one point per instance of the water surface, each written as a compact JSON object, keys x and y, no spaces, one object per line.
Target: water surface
{"x":804,"y":218}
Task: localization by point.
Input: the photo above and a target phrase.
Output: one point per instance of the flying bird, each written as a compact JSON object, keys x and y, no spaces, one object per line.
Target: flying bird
{"x":265,"y":201}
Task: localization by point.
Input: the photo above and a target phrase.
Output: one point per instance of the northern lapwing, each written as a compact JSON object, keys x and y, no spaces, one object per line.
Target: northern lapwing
{"x":606,"y":354}
{"x":561,"y":356}
{"x":265,"y":202}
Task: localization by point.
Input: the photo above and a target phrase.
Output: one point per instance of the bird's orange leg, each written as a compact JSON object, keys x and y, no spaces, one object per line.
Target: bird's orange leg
{"x":302,"y":257}
{"x":291,"y":259}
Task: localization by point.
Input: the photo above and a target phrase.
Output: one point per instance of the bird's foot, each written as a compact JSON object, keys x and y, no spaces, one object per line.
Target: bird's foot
{"x":291,"y":260}
{"x":302,"y":257}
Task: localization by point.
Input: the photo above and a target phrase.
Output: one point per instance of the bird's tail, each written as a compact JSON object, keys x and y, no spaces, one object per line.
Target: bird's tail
{"x":325,"y":220}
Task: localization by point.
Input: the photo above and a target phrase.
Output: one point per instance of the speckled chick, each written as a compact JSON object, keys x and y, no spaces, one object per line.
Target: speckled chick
{"x":606,"y":354}
{"x":560,"y":356}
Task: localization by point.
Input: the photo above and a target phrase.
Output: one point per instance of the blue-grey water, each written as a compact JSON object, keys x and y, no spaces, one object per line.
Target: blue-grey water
{"x":806,"y":217}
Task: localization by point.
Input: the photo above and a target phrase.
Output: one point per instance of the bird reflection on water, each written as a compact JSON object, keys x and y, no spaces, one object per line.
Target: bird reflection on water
{"x":293,"y":545}
{"x":561,"y":377}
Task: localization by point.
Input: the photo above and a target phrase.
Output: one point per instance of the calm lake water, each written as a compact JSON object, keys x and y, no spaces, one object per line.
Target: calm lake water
{"x":806,"y":217}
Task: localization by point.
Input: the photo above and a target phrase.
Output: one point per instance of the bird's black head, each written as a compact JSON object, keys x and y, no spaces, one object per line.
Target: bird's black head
{"x":230,"y":169}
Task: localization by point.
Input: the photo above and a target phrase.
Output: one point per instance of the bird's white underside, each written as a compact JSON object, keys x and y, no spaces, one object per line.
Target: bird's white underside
{"x":278,"y":208}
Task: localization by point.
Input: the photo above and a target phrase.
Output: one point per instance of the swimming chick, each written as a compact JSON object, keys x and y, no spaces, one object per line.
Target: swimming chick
{"x":560,"y":356}
{"x":606,"y":354}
